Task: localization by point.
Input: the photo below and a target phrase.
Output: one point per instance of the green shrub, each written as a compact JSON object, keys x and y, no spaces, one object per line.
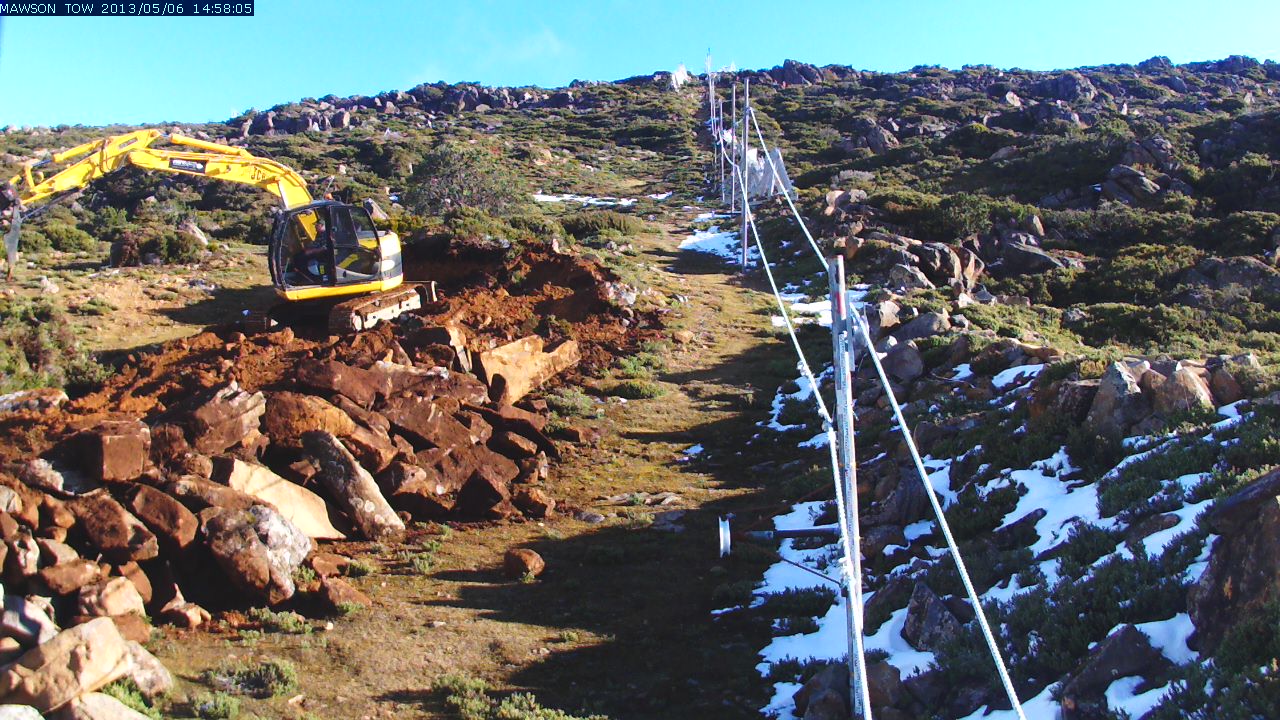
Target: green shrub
{"x":284,"y":621}
{"x":538,"y":225}
{"x":1139,"y":274}
{"x":127,"y":692}
{"x":269,"y":678}
{"x":68,"y":238}
{"x":572,"y":402}
{"x":470,"y":698}
{"x":592,"y":223}
{"x":636,"y":389}
{"x":39,"y":349}
{"x":457,"y":175}
{"x":172,"y":247}
{"x":216,"y":706}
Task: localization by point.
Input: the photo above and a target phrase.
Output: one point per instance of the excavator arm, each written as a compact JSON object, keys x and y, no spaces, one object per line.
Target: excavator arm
{"x":99,"y":158}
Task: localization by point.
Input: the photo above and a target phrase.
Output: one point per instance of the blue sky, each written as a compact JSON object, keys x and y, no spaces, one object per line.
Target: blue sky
{"x":101,"y":70}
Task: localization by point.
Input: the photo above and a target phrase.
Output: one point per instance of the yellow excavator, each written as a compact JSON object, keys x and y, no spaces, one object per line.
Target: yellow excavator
{"x":319,"y":252}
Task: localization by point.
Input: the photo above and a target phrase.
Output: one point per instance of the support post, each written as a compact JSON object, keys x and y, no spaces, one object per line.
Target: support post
{"x":841,"y":339}
{"x":720,"y":148}
{"x":733,"y":126}
{"x":745,"y":165}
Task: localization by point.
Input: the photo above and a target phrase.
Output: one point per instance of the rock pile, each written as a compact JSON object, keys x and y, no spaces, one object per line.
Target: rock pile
{"x":218,"y":491}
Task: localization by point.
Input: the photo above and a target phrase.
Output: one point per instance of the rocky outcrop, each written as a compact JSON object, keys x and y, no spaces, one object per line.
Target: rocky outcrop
{"x":1241,"y":576}
{"x":1125,"y":653}
{"x":1118,"y":403}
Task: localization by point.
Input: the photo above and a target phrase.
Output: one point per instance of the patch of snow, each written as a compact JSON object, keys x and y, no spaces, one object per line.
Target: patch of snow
{"x":889,"y":639}
{"x":727,"y":245}
{"x":782,"y":705}
{"x":803,"y":392}
{"x":964,"y":371}
{"x":1122,"y":697}
{"x":1016,"y":376}
{"x":585,"y":200}
{"x":694,"y":450}
{"x":1156,"y":543}
{"x":917,"y":530}
{"x":940,"y":478}
{"x":817,"y":441}
{"x":660,"y":196}
{"x":1038,"y":707}
{"x":709,"y":216}
{"x":1063,"y":505}
{"x":1232,"y":410}
{"x":1170,"y":637}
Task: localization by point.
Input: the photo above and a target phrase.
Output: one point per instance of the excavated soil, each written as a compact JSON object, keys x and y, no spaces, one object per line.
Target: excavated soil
{"x":493,"y":299}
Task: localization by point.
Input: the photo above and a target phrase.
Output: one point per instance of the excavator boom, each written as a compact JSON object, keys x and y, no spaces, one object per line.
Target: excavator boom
{"x":100,"y":158}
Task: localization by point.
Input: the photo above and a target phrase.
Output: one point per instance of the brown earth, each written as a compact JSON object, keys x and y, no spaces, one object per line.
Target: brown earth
{"x":620,"y":620}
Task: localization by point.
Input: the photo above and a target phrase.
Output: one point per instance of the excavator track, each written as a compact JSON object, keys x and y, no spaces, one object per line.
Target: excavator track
{"x":365,"y":312}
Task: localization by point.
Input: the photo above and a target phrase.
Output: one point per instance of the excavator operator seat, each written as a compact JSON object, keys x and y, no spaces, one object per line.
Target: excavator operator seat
{"x":305,"y":246}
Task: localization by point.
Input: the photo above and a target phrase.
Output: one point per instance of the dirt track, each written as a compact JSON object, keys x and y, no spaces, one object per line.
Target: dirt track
{"x":620,"y":622}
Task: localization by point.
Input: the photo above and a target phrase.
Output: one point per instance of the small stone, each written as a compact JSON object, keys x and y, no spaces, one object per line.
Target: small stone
{"x":520,"y":563}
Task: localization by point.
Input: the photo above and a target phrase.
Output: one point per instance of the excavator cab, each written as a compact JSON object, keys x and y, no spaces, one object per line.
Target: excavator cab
{"x":328,"y":249}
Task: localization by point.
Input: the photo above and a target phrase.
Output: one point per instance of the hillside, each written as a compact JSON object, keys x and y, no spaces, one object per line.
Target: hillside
{"x":1070,"y":275}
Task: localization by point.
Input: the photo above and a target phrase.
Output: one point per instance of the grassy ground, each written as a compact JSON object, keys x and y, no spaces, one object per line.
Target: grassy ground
{"x":119,"y":309}
{"x":620,"y":623}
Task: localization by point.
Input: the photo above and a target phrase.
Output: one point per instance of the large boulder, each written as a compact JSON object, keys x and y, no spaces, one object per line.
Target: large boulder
{"x":904,"y":362}
{"x":940,"y":263}
{"x":826,"y":695}
{"x":512,"y":370}
{"x":1119,"y":402}
{"x":97,"y":706}
{"x":258,"y":549}
{"x":1127,"y":652}
{"x":427,"y":421}
{"x":908,"y":277}
{"x":930,"y":623}
{"x":117,"y":534}
{"x":36,"y":400}
{"x":924,"y":326}
{"x":358,"y":384}
{"x":416,"y":490}
{"x":1241,"y":576}
{"x":76,"y":661}
{"x":114,"y":450}
{"x":435,"y":382}
{"x":1069,"y":86}
{"x":1024,"y":259}
{"x":1069,"y":399}
{"x":291,"y":414}
{"x":110,"y":598}
{"x":351,"y":485}
{"x":25,"y":621}
{"x":173,"y":524}
{"x":1180,"y":392}
{"x":229,"y":417}
{"x":298,"y":505}
{"x":1129,"y":185}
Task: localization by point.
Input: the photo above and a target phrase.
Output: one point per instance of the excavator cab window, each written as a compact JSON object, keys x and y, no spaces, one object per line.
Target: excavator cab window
{"x":355,"y":245}
{"x":327,"y":245}
{"x":305,"y":248}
